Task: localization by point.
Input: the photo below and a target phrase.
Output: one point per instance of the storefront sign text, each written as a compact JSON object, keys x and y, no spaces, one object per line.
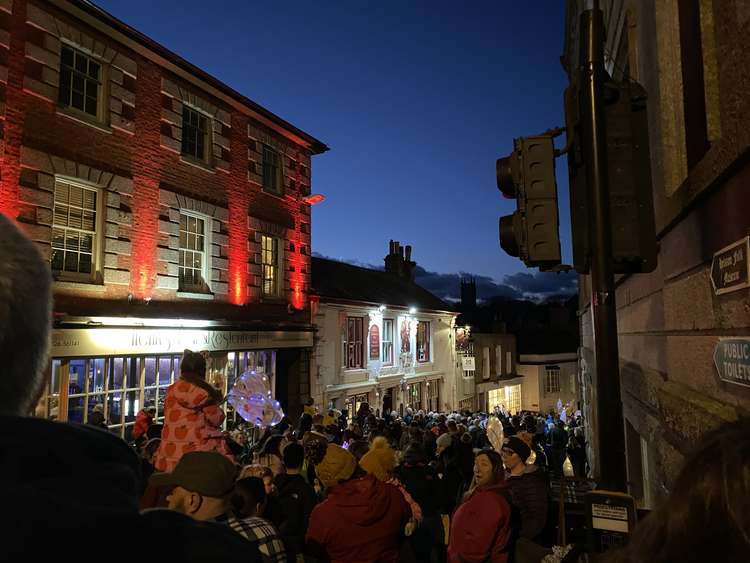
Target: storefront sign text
{"x":732,"y":360}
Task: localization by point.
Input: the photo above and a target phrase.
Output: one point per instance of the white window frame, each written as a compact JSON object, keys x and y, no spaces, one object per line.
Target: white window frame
{"x":358,"y":346}
{"x":101,"y":110}
{"x":551,"y":380}
{"x":206,"y":268}
{"x":278,"y":281}
{"x":428,"y":352}
{"x":96,"y":245}
{"x":387,"y":343}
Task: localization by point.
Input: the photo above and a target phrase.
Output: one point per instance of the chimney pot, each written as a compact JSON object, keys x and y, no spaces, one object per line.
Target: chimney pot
{"x":408,"y":252}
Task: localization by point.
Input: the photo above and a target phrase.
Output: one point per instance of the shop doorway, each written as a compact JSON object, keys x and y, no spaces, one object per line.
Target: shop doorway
{"x":387,"y":402}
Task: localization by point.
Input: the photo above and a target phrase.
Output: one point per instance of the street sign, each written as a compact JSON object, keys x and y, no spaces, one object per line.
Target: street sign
{"x":468,"y":363}
{"x":732,"y":360}
{"x":729,"y":268}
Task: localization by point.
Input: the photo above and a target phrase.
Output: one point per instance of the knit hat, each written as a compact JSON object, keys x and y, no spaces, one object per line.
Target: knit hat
{"x":337,"y":465}
{"x":380,"y":460}
{"x":444,"y":441}
{"x":518,"y":446}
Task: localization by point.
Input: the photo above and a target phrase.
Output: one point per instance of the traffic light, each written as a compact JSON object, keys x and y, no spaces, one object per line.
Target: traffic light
{"x":528,"y":175}
{"x":631,"y":207}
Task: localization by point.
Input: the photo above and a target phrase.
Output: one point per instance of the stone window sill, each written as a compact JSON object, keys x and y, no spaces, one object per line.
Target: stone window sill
{"x":197,"y":163}
{"x":84,"y":118}
{"x":79,"y":285}
{"x":192,"y":295}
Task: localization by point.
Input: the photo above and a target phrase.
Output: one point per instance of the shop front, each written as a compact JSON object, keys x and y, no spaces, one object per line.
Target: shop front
{"x":119,"y":371}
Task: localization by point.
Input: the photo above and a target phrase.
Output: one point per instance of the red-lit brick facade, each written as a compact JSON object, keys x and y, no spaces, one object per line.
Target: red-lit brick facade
{"x":130,"y":155}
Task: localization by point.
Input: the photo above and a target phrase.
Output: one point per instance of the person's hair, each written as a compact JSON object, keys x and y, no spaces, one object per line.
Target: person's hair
{"x":707,"y":514}
{"x":193,"y":363}
{"x":25,"y":320}
{"x":294,"y":455}
{"x":498,"y":471}
{"x":255,"y":470}
{"x":247,"y":493}
{"x":272,"y":445}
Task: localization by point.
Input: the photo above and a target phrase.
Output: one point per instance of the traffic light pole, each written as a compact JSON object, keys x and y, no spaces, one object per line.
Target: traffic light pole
{"x":609,"y":425}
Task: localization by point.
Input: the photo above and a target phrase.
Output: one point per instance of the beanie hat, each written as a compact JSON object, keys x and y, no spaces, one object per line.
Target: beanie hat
{"x":337,"y":465}
{"x":380,"y":460}
{"x":444,"y":440}
{"x":518,"y":446}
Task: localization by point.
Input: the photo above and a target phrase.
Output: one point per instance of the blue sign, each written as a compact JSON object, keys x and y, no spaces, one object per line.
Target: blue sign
{"x":732,"y":360}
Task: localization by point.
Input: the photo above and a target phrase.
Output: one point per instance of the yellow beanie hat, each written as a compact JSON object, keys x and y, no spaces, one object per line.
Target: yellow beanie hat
{"x":380,"y":460}
{"x":337,"y":465}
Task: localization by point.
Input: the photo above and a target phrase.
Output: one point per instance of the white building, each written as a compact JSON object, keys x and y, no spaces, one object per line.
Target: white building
{"x":381,"y":339}
{"x":547,"y":379}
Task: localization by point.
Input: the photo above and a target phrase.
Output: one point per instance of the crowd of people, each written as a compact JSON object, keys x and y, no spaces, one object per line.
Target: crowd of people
{"x":454,"y":487}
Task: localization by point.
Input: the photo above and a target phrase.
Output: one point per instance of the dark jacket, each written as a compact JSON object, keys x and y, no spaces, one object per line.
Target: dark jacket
{"x":296,"y":499}
{"x":528,"y":493}
{"x":424,"y":486}
{"x":361,"y":521}
{"x":453,"y":479}
{"x":63,"y":478}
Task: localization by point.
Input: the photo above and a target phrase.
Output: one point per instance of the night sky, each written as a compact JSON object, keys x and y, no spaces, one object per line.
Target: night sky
{"x":416,"y":99}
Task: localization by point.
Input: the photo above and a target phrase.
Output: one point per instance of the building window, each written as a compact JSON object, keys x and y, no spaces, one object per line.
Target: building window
{"x":551,"y":379}
{"x":423,"y":341}
{"x":271,"y":170}
{"x":509,"y":362}
{"x":194,"y":133}
{"x":388,"y":341}
{"x":193,"y":258}
{"x":486,"y":362}
{"x":270,"y":266}
{"x":80,"y":81}
{"x":353,"y":343}
{"x":499,"y":361}
{"x":74,"y":229}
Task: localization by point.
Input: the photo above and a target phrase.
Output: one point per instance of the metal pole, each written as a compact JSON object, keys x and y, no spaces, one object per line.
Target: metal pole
{"x":608,"y":403}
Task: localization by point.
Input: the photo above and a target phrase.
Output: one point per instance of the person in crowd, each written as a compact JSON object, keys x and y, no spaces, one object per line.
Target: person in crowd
{"x":449,"y":469}
{"x":424,"y":486}
{"x":96,"y":417}
{"x":143,"y":420}
{"x":94,"y":481}
{"x":248,"y":503}
{"x":296,"y":499}
{"x":309,"y":407}
{"x":192,"y":415}
{"x":481,"y":528}
{"x":527,"y":486}
{"x":707,"y":514}
{"x":577,"y":451}
{"x":270,"y":454}
{"x":362,"y":519}
{"x":558,"y":440}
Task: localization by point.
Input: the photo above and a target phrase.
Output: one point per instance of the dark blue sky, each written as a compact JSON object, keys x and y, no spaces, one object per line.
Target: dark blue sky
{"x":415,"y":98}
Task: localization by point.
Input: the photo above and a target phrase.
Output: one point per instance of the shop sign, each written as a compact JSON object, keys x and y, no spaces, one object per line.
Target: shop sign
{"x":468,"y":363}
{"x":729,"y":268}
{"x":732,"y":360}
{"x":374,"y":342}
{"x":125,"y":341}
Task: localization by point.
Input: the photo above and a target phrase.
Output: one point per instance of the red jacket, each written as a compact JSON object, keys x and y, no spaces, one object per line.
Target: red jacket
{"x":361,"y":521}
{"x":480,"y":529}
{"x":142,"y":421}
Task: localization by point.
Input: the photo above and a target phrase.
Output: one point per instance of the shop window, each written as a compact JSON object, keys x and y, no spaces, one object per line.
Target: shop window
{"x":270,"y":266}
{"x":353,"y":343}
{"x":271,"y":170}
{"x":195,"y":134}
{"x":80,"y":82}
{"x":193,"y":267}
{"x":74,"y":230}
{"x":387,"y":342}
{"x":423,"y":341}
{"x":551,"y":379}
{"x":414,"y":395}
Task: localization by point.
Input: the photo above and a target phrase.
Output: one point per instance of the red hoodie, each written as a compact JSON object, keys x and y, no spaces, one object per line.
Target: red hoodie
{"x":480,"y":530}
{"x":361,"y":521}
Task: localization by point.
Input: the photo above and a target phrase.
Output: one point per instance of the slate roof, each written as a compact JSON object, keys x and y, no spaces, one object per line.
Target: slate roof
{"x":338,"y":281}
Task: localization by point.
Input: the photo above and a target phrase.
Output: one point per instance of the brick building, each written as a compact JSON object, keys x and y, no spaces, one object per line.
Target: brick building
{"x":172,"y":210}
{"x":673,"y":323}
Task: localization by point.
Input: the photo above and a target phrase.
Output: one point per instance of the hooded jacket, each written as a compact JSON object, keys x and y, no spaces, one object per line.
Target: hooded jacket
{"x":192,"y":423}
{"x":58,"y":480}
{"x":481,"y":527}
{"x":361,"y":521}
{"x":297,"y":500}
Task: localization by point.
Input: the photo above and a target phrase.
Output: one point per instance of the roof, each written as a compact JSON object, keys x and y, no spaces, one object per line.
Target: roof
{"x":338,"y":281}
{"x":316,"y":146}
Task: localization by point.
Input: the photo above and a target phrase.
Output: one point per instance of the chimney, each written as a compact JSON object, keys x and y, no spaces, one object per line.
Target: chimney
{"x":410,"y":267}
{"x":394,"y":261}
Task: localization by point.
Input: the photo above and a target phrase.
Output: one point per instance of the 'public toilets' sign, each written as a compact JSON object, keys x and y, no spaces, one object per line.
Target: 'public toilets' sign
{"x":732,"y":360}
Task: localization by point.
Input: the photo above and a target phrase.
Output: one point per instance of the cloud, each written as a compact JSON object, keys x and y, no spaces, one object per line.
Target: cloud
{"x":535,"y":286}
